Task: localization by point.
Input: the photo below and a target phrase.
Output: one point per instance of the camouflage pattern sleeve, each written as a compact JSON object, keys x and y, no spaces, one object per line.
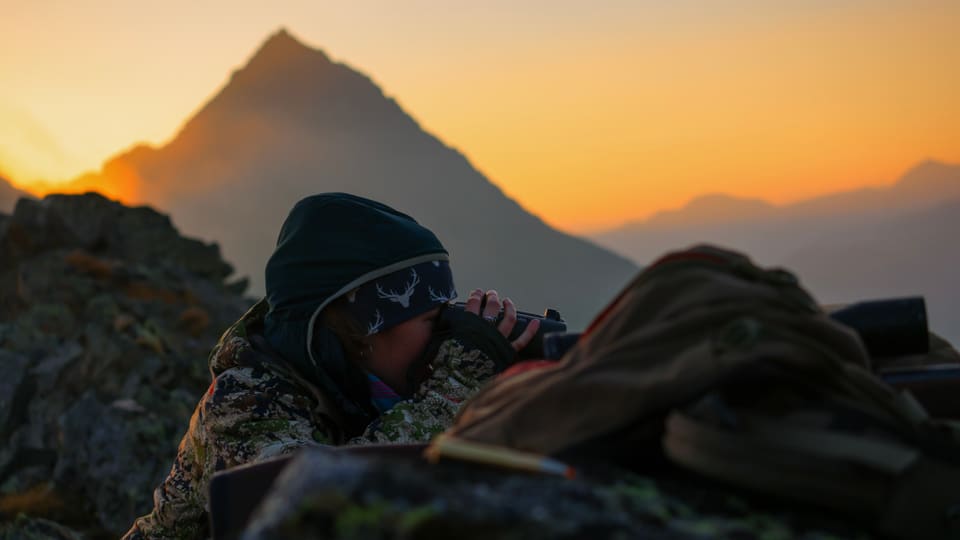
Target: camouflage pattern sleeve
{"x":248,"y":415}
{"x":458,"y":373}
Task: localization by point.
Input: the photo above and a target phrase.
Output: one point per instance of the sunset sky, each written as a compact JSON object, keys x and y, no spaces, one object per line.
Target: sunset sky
{"x":590,"y":114}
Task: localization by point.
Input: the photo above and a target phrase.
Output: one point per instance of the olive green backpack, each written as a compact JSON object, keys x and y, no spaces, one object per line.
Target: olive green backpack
{"x":737,"y":374}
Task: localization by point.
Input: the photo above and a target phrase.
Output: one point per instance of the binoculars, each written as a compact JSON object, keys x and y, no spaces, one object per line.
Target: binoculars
{"x":550,"y":322}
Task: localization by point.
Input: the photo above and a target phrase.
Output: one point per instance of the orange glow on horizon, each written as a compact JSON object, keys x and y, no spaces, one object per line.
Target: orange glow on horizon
{"x":589,"y":118}
{"x":117,"y":181}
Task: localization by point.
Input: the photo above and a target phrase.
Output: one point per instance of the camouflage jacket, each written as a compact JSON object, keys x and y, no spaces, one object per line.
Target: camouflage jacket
{"x":255,"y":410}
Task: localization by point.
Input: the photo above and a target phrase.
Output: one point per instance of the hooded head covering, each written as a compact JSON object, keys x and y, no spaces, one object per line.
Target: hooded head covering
{"x":384,"y":302}
{"x":329,"y":245}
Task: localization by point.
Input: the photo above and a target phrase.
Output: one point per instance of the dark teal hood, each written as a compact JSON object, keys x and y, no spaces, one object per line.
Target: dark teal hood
{"x":329,"y":244}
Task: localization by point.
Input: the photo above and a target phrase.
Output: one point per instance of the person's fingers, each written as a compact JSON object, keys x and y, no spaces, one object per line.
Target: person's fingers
{"x":491,"y":310}
{"x":474,"y":301}
{"x":524,"y":338}
{"x":509,"y":317}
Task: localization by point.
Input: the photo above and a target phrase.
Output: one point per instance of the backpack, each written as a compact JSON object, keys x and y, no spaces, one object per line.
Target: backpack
{"x":737,"y":374}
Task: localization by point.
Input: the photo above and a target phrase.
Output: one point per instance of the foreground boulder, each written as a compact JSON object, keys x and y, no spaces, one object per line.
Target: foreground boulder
{"x":106,"y":318}
{"x":377,"y":493}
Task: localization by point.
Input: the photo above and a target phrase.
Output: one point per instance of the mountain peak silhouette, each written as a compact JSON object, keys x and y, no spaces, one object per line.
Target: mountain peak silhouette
{"x":927,"y":166}
{"x":287,"y":88}
{"x":291,"y":123}
{"x":930,"y":178}
{"x":280,"y":53}
{"x":288,"y":81}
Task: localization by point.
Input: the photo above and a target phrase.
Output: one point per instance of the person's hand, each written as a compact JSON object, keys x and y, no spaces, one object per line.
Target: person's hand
{"x":488,"y":305}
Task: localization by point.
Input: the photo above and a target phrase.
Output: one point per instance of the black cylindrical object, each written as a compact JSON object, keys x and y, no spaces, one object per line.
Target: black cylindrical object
{"x":556,"y":344}
{"x":889,"y":327}
{"x":550,"y":322}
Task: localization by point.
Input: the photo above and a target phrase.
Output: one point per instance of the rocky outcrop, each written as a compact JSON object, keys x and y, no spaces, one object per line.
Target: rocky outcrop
{"x":379,"y":493}
{"x":106,"y":317}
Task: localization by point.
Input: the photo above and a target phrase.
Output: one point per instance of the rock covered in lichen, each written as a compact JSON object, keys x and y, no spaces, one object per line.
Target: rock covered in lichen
{"x":107,"y":315}
{"x":336,"y":494}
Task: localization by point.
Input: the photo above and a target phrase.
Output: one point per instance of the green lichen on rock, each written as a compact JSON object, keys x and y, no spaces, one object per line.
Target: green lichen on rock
{"x":333,"y":494}
{"x":100,"y":373}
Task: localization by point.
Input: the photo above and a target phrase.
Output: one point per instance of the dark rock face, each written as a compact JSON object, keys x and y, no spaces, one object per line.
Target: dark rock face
{"x":336,"y":494}
{"x":107,"y":315}
{"x":98,"y":226}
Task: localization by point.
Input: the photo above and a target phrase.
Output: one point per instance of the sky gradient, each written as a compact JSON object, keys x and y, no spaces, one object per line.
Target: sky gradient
{"x":589,"y":114}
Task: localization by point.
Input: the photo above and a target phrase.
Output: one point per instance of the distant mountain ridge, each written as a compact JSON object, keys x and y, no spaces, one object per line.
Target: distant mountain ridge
{"x":867,"y":243}
{"x":926,"y":184}
{"x":291,"y":123}
{"x":711,"y":208}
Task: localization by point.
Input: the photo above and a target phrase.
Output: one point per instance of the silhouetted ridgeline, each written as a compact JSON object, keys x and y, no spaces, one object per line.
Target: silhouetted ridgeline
{"x":106,"y":318}
{"x":292,"y":123}
{"x":868,"y":243}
